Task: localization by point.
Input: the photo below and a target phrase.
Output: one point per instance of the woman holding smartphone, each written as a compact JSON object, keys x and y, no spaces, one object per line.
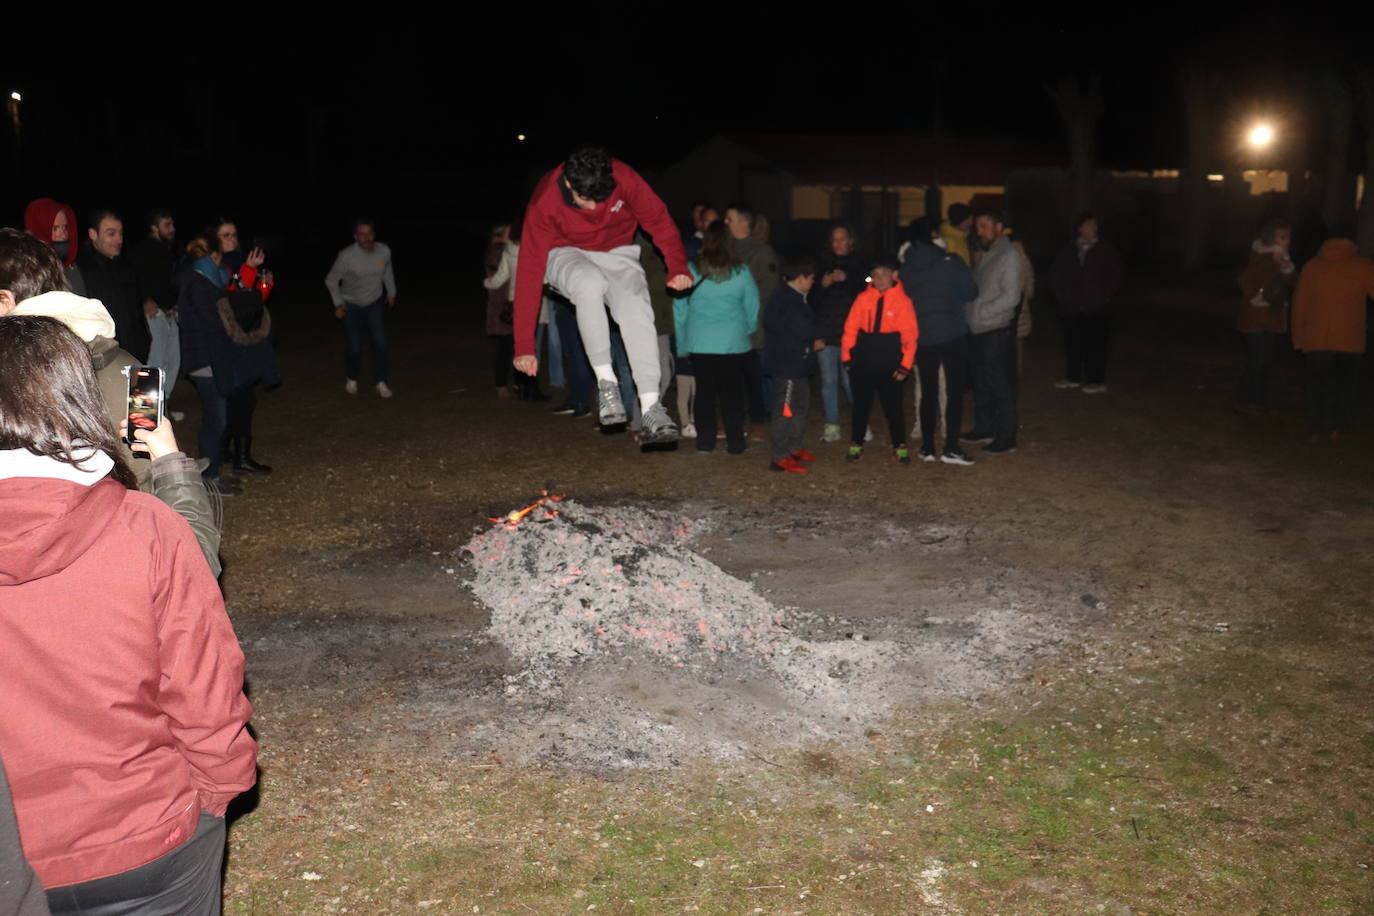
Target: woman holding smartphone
{"x":125,"y":731}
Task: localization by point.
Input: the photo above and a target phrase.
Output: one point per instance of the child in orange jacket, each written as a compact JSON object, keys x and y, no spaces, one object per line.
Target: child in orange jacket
{"x":878,"y":349}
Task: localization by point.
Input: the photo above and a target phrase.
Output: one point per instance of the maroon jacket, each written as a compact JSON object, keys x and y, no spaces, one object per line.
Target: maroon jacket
{"x":552,"y":220}
{"x":123,"y":680}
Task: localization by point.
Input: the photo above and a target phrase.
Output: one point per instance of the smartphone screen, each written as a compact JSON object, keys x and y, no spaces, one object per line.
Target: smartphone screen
{"x":145,"y":400}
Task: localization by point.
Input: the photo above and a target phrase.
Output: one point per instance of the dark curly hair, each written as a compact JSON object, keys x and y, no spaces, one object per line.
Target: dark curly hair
{"x":588,"y":173}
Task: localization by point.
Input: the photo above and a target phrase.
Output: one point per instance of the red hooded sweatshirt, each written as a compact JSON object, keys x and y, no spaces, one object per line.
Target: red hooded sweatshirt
{"x":552,"y":220}
{"x":122,"y":678}
{"x":38,"y":219}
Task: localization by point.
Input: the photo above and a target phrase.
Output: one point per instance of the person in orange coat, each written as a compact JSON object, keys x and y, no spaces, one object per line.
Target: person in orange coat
{"x":878,"y":348}
{"x":1328,"y":324}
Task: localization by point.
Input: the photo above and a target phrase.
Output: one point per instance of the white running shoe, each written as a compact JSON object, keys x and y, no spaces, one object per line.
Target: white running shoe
{"x":656,"y":427}
{"x":351,"y":386}
{"x":689,"y":431}
{"x":1095,"y":389}
{"x":383,"y":390}
{"x":832,"y":433}
{"x":1066,"y":383}
{"x":609,"y":407}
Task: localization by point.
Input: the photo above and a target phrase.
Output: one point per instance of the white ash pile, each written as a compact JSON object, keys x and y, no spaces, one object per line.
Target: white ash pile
{"x":637,"y":651}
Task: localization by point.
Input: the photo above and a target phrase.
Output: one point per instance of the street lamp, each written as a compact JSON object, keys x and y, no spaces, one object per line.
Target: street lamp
{"x":1261,"y":135}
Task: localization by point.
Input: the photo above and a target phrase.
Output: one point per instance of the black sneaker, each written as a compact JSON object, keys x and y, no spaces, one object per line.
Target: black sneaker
{"x":1000,"y":448}
{"x":927,"y":453}
{"x":955,"y":456}
{"x":976,"y":437}
{"x":581,"y":411}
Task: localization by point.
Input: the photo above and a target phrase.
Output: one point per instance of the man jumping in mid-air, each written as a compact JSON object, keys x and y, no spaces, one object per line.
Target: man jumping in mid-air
{"x":577,"y":238}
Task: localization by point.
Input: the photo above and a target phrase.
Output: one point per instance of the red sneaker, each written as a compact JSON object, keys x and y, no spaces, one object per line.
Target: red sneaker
{"x":802,"y":454}
{"x":788,"y":464}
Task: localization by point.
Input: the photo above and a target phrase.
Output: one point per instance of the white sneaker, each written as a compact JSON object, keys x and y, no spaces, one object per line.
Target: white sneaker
{"x":1095,"y":389}
{"x":383,"y":390}
{"x":689,"y":431}
{"x":351,"y":386}
{"x":832,"y":433}
{"x":868,"y":434}
{"x":1065,"y":383}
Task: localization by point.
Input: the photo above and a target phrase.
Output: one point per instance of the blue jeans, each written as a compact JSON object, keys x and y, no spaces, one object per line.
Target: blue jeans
{"x":620,"y":361}
{"x":214,"y":419}
{"x":575,"y":365}
{"x":370,"y":320}
{"x":833,"y":377}
{"x":554,"y":355}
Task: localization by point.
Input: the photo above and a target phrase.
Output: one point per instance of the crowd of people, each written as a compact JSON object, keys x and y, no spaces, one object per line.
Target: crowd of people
{"x":126,"y":736}
{"x":950,"y":309}
{"x":716,"y":309}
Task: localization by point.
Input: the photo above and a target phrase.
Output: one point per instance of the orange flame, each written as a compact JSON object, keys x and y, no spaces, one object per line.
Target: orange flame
{"x":513,"y":519}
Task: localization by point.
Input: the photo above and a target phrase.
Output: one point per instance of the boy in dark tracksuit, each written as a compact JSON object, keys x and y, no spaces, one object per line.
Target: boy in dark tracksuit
{"x":789,"y":356}
{"x":879,"y":348}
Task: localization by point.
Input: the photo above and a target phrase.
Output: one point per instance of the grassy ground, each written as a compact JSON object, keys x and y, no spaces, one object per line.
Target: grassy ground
{"x":1207,"y":746}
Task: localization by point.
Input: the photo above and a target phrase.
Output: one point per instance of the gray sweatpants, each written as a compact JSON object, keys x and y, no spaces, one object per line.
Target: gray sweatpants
{"x":786,"y":432}
{"x":596,"y":280}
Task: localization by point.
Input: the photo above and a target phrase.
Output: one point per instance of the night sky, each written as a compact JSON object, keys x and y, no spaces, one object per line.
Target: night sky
{"x":280,"y":121}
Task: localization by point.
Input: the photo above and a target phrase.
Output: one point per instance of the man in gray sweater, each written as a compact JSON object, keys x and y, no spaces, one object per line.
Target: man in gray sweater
{"x":363,"y":288}
{"x":992,"y":339}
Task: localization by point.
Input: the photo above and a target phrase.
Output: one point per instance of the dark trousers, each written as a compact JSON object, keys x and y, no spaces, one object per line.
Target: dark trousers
{"x":992,"y":357}
{"x":757,"y":387}
{"x":1085,"y":347}
{"x":239,"y":413}
{"x":502,"y":352}
{"x":865,"y":383}
{"x":1261,"y":355}
{"x":214,"y":420}
{"x":720,"y":378}
{"x":790,"y":396}
{"x":369,"y":321}
{"x":576,"y":369}
{"x":1331,"y":381}
{"x":930,"y":358}
{"x":184,"y":882}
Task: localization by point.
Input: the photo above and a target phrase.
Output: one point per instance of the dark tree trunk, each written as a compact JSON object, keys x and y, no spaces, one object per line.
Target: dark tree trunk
{"x":1198,"y":89}
{"x":1337,"y":196}
{"x":1080,"y":106}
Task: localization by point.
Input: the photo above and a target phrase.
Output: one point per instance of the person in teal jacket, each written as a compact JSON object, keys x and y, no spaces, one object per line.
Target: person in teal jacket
{"x":713,"y":325}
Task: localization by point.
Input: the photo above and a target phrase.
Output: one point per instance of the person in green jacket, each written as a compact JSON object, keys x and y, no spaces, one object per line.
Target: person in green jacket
{"x":713,"y":327}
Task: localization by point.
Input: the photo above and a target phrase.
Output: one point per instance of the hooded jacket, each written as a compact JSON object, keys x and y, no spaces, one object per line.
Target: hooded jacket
{"x":939,"y":283}
{"x":790,"y":351}
{"x":1329,"y":304}
{"x":553,"y":220}
{"x":171,"y":478}
{"x":38,"y":219}
{"x":898,"y":326}
{"x":39,"y":216}
{"x":125,"y":715}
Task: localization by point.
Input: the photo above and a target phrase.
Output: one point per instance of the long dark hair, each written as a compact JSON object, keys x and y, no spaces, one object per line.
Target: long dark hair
{"x":717,"y":260}
{"x":50,"y":402}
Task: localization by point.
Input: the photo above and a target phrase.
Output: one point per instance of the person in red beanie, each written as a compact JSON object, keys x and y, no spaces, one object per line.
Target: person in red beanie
{"x":54,"y":224}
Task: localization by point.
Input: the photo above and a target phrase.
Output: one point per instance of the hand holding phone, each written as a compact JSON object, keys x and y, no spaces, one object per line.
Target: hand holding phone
{"x":145,"y":405}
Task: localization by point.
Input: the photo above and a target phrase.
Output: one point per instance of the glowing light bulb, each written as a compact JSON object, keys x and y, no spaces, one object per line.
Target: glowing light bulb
{"x":1261,"y":135}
